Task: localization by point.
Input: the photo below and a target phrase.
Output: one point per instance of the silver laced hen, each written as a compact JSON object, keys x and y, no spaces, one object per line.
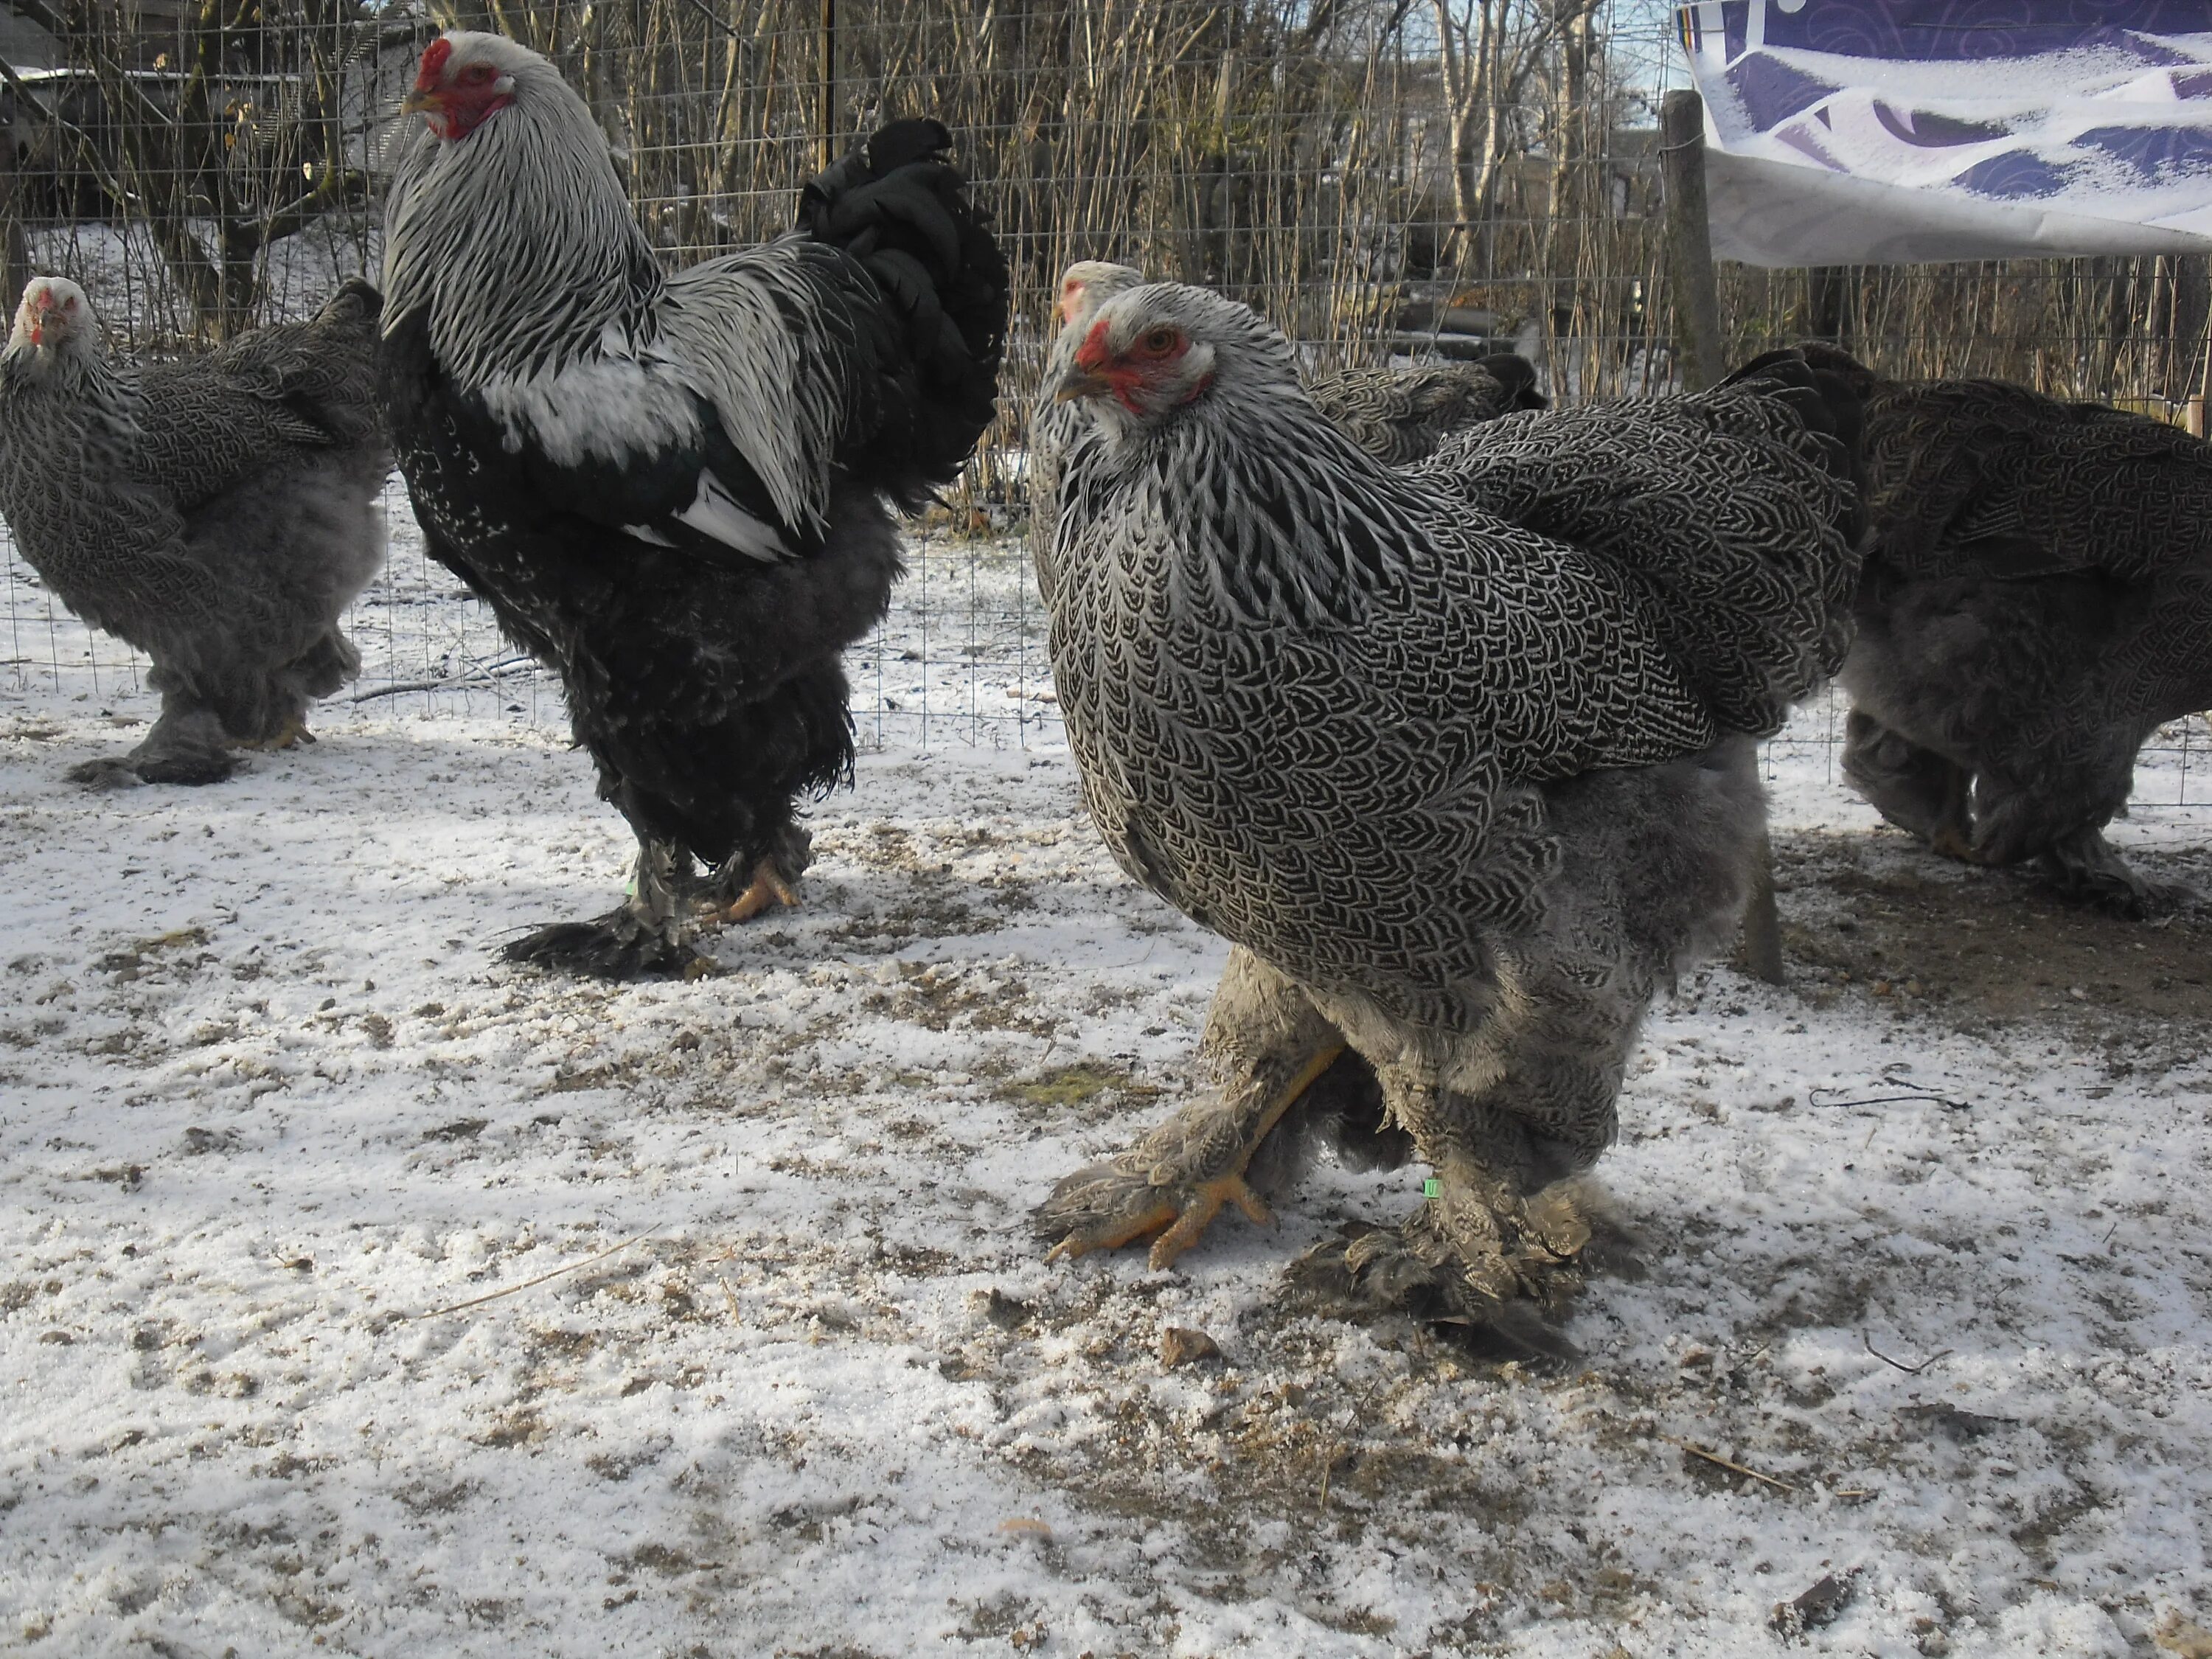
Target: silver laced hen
{"x":219,"y":513}
{"x":1398,"y":416}
{"x":2037,"y":602}
{"x":1460,"y":757}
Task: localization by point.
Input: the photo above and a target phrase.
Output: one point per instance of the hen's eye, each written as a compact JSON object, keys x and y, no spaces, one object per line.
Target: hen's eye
{"x":1160,"y":342}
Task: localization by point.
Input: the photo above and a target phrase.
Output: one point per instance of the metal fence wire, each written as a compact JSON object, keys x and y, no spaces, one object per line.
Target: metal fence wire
{"x":1386,"y":179}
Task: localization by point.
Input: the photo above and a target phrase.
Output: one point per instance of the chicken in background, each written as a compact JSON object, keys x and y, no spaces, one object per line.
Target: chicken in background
{"x":1461,"y":757}
{"x":2037,"y":602}
{"x":676,"y":489}
{"x":219,"y":512}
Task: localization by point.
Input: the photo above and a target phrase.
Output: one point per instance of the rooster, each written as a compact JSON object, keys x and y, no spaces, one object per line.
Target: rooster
{"x":218,"y":512}
{"x":1460,"y":757}
{"x":2037,"y":602}
{"x":676,"y":489}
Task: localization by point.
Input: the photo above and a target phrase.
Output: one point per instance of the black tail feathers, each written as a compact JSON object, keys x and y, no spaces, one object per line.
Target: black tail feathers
{"x":1828,"y":388}
{"x":1517,"y":375}
{"x":899,"y":209}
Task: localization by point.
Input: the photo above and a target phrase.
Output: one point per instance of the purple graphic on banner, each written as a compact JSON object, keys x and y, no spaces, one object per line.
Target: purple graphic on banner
{"x":1869,"y":130}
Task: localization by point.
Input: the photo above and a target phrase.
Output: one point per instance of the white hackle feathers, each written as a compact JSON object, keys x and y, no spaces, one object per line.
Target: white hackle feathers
{"x":546,"y":300}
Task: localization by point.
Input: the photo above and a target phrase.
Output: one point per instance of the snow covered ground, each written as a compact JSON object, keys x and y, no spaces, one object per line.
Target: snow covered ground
{"x":360,"y":1295}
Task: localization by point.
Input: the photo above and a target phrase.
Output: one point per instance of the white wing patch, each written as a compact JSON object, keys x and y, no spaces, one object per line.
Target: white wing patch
{"x":600,"y":408}
{"x":715,"y":512}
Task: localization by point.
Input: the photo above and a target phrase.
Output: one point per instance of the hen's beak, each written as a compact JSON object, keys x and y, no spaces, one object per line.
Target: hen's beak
{"x":1081,"y":383}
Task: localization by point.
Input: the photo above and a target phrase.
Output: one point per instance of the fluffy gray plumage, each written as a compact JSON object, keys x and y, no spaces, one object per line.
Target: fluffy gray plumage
{"x":218,"y":512}
{"x":1459,"y":756}
{"x":2038,"y":600}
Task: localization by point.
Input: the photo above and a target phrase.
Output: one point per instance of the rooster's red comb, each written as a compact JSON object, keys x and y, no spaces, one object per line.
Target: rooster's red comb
{"x":433,"y":63}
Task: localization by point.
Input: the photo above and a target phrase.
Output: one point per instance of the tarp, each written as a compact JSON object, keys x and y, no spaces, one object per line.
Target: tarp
{"x":1897,"y":131}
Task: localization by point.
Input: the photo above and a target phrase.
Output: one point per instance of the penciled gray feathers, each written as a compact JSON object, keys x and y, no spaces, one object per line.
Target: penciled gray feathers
{"x":218,"y":512}
{"x":1461,"y":753}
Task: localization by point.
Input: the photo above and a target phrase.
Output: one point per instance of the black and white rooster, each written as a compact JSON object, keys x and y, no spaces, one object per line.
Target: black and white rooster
{"x":675,"y":489}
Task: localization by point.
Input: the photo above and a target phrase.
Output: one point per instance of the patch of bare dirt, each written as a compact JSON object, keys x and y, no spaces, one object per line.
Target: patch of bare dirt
{"x":1985,"y":949}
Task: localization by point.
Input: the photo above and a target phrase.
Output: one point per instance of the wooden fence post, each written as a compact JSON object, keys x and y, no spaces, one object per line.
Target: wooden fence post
{"x":825,"y":95}
{"x":1702,"y":361}
{"x":1698,"y":353}
{"x":14,"y":249}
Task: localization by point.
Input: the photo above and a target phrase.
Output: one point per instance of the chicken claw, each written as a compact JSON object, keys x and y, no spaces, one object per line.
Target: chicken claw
{"x":769,"y":887}
{"x":1175,"y":1181}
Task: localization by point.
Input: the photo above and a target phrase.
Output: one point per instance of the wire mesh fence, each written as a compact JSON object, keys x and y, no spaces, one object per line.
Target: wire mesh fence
{"x":1386,"y":179}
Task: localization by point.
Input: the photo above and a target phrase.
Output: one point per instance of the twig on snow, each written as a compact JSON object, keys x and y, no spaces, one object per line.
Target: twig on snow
{"x":478,"y":1301}
{"x":1695,"y":1450}
{"x":1812,"y":1098}
{"x":488,"y":671}
{"x":1909,"y":1371}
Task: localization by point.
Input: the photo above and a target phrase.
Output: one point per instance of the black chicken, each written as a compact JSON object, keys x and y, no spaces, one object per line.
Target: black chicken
{"x":676,"y":489}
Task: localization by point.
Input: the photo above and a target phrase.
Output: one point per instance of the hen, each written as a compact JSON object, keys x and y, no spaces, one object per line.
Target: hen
{"x":2037,"y":602}
{"x":1459,"y":756}
{"x":675,"y":489}
{"x":1398,"y":416}
{"x":219,"y":513}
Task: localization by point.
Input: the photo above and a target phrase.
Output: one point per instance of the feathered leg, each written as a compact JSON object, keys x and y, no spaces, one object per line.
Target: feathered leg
{"x":1265,"y":1047}
{"x":1916,"y":789}
{"x":2085,"y":867}
{"x":648,"y":937}
{"x":187,"y":743}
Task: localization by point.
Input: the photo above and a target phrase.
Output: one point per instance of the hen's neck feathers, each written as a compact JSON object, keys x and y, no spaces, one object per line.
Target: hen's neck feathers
{"x":77,"y":385}
{"x":518,"y":240}
{"x":1288,"y":519}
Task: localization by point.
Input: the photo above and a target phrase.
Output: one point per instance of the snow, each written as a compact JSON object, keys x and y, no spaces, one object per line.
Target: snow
{"x":362,"y":1295}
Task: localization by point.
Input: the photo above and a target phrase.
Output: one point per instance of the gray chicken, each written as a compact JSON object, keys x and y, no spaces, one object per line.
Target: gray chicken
{"x":219,"y":513}
{"x":1460,"y":756}
{"x":2037,"y":601}
{"x":1398,"y":416}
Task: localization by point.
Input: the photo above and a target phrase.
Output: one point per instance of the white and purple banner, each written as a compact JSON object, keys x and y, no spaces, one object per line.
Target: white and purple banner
{"x":1897,"y":131}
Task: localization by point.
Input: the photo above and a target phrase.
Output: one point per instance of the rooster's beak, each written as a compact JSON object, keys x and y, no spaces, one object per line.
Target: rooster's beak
{"x":421,"y":100}
{"x":1081,"y":383}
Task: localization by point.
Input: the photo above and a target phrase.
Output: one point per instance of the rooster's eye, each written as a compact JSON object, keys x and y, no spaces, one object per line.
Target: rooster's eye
{"x":477,"y":75}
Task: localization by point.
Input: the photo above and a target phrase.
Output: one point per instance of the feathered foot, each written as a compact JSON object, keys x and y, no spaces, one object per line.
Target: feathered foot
{"x":185,"y":746}
{"x":1175,"y":1181}
{"x":769,"y":887}
{"x":1498,"y":1267}
{"x":1915,"y":789}
{"x":644,"y":939}
{"x":179,"y":766}
{"x":772,"y":881}
{"x":2085,"y":867}
{"x":294,"y":734}
{"x":618,"y":945}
